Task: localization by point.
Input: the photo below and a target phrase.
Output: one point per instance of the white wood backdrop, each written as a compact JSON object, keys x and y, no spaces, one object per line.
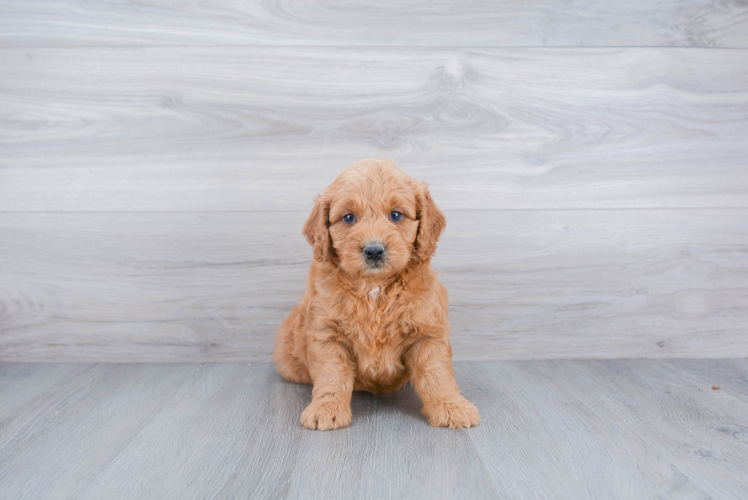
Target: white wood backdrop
{"x":157,"y":161}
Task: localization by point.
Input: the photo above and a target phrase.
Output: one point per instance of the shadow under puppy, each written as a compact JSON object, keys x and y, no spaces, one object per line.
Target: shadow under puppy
{"x":374,"y":314}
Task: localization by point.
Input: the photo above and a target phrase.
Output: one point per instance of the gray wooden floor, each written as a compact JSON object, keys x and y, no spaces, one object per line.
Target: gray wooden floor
{"x":550,"y":429}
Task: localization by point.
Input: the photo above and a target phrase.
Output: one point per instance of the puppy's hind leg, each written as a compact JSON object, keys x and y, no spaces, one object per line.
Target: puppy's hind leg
{"x":293,"y":371}
{"x":290,"y":366}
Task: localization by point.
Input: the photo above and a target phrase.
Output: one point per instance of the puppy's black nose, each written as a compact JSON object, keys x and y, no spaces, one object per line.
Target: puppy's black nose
{"x":374,"y":252}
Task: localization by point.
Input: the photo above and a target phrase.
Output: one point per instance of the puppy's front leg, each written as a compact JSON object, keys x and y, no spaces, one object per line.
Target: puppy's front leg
{"x":430,"y":365}
{"x":331,"y":368}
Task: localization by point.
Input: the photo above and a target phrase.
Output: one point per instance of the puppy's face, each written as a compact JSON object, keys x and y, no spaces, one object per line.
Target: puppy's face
{"x":372,"y":223}
{"x":374,"y":220}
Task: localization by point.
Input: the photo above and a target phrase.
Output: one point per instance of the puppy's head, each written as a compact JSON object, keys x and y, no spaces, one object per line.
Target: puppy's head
{"x":374,"y":220}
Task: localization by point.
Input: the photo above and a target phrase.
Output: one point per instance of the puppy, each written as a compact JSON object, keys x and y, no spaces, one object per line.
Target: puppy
{"x":374,"y":314}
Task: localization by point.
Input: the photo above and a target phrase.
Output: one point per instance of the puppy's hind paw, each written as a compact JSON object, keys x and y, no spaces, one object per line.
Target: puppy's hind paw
{"x":457,"y":414}
{"x":326,"y":415}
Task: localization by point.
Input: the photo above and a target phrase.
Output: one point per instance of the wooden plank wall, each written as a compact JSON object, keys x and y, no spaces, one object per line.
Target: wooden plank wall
{"x":157,"y":161}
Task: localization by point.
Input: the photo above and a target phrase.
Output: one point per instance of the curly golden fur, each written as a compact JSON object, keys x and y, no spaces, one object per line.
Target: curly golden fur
{"x":374,"y":314}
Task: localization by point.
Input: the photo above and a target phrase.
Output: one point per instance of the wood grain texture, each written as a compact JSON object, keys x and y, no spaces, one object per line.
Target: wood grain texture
{"x":522,"y":284}
{"x":560,"y":429}
{"x":21,"y":383}
{"x":267,"y":128}
{"x":82,"y":422}
{"x":700,"y":23}
{"x":726,"y":375}
{"x":607,"y":429}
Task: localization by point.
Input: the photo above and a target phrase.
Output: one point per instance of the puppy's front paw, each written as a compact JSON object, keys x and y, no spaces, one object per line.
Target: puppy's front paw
{"x":457,"y":414}
{"x":326,"y":415}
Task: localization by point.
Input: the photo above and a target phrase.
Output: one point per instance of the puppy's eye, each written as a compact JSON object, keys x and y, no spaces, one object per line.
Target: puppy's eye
{"x":396,"y":216}
{"x":349,"y":218}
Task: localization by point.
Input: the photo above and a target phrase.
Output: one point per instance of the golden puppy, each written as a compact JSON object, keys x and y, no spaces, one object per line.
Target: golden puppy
{"x":374,"y":314}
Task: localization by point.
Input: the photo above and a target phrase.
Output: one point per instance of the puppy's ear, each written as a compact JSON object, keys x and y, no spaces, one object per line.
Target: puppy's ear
{"x":431,"y":221}
{"x":316,"y":229}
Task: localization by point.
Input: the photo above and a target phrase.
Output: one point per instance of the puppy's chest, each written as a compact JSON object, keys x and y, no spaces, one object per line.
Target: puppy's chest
{"x":380,"y":366}
{"x":378,"y":339}
{"x":374,"y":321}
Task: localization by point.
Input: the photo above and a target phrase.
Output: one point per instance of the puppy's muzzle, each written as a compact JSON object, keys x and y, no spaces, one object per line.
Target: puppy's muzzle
{"x":374,"y":253}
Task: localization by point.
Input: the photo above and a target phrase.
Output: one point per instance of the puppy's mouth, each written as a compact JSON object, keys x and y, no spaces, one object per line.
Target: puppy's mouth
{"x":376,"y":266}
